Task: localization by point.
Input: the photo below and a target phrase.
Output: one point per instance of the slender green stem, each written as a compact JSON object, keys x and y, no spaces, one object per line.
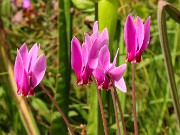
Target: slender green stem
{"x":120,"y":110}
{"x":115,"y":111}
{"x":134,"y":99}
{"x":96,"y":11}
{"x":59,"y":109}
{"x":101,"y":108}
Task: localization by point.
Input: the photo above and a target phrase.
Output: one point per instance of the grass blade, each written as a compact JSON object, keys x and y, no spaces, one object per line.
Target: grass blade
{"x":64,"y":22}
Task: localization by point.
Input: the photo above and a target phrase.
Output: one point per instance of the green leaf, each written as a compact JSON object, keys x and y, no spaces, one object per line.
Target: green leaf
{"x":175,"y":14}
{"x":41,"y":107}
{"x":84,"y":5}
{"x":107,"y":17}
{"x":65,"y":28}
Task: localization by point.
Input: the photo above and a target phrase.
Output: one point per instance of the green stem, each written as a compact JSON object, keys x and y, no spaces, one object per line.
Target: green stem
{"x":134,"y":99}
{"x":96,"y":11}
{"x":59,"y":109}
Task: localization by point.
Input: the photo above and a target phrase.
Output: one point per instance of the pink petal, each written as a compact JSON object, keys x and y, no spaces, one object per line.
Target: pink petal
{"x":104,"y":38}
{"x":38,"y":70}
{"x":93,"y":56}
{"x":88,"y":41}
{"x":84,"y":53}
{"x":118,"y":72}
{"x":26,"y":3}
{"x":85,"y":77}
{"x":32,"y":56}
{"x":139,"y":32}
{"x":25,"y":84}
{"x":18,"y":69}
{"x":146,"y":35}
{"x":121,"y":85}
{"x":24,"y":55}
{"x":104,"y":58}
{"x":76,"y":56}
{"x":130,"y":36}
{"x":106,"y":83}
{"x":99,"y":75}
{"x":113,"y":65}
{"x":95,"y":27}
{"x":96,"y":33}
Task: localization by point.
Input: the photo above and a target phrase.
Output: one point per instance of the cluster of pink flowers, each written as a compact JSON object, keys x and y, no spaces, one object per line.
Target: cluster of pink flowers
{"x":93,"y":59}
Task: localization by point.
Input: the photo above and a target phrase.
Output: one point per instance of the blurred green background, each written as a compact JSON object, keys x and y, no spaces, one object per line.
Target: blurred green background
{"x":53,"y":24}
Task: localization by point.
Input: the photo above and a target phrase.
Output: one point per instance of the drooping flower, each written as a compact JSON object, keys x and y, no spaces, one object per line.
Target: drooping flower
{"x":107,"y":73}
{"x":24,"y":3}
{"x":84,"y":59}
{"x":136,"y":37}
{"x":29,"y":69}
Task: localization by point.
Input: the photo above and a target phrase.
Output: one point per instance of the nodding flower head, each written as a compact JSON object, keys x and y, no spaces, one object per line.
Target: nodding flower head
{"x":107,"y":74}
{"x":29,"y":69}
{"x":136,"y":37}
{"x":84,"y":59}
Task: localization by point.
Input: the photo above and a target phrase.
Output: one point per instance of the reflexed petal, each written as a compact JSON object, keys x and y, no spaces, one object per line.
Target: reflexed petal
{"x":99,"y":75}
{"x":118,"y":72}
{"x":112,"y":66}
{"x":104,"y":58}
{"x":38,"y":70}
{"x":76,"y":56}
{"x":130,"y":35}
{"x":121,"y":85}
{"x":88,"y":41}
{"x":93,"y":56}
{"x":95,"y":27}
{"x":104,"y":38}
{"x":24,"y":55}
{"x":25,"y":84}
{"x":85,"y":76}
{"x":96,"y":33}
{"x":146,"y":35}
{"x":84,"y":53}
{"x":32,"y":56}
{"x":18,"y":68}
{"x":139,"y":32}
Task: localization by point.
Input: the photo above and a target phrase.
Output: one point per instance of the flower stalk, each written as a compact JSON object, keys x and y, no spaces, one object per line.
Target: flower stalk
{"x":101,"y":108}
{"x":119,"y":106}
{"x":120,"y":110}
{"x":59,"y":109}
{"x":134,"y":99}
{"x":115,"y":111}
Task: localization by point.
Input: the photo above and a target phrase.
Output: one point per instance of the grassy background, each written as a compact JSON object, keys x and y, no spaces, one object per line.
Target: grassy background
{"x":52,"y":25}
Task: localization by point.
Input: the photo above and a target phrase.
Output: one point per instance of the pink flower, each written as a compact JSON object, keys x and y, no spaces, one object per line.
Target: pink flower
{"x":29,"y":69}
{"x":136,"y":37}
{"x":84,"y":60}
{"x":107,"y":71}
{"x":24,"y":3}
